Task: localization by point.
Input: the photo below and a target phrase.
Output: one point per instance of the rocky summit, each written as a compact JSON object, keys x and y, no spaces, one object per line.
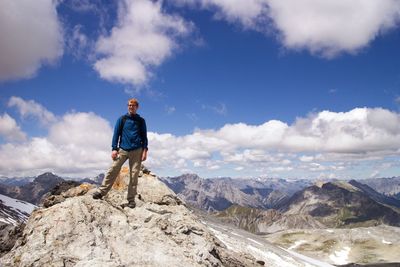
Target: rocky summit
{"x":77,"y":230}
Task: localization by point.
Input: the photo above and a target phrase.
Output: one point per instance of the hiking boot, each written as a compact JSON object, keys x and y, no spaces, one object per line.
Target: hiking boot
{"x":130,"y":204}
{"x":97,"y":195}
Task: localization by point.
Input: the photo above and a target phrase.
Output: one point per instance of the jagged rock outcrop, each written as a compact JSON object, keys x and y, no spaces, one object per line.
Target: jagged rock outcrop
{"x":65,"y":190}
{"x":9,"y":234}
{"x":80,"y":231}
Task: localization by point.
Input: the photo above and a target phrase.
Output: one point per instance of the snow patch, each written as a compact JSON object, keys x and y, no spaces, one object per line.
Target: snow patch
{"x":311,"y":261}
{"x":14,"y":211}
{"x":271,"y":256}
{"x":252,"y":240}
{"x":17,"y":204}
{"x":340,"y":257}
{"x":296,"y":244}
{"x":236,"y":234}
{"x":386,"y":242}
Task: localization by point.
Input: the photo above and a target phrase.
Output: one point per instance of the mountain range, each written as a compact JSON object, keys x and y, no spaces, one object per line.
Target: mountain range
{"x":217,"y":194}
{"x":325,"y":205}
{"x":80,"y":231}
{"x":33,"y":191}
{"x":258,"y":205}
{"x":387,"y":186}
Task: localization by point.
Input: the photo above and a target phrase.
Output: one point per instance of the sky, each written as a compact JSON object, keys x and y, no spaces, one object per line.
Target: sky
{"x":239,"y":88}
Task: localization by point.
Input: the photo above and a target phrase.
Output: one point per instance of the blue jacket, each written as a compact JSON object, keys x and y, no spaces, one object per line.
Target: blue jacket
{"x":133,"y":134}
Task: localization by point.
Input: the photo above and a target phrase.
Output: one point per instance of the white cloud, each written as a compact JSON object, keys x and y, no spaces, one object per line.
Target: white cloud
{"x":30,"y":36}
{"x":324,"y":143}
{"x":79,"y":45}
{"x":144,"y":37}
{"x":306,"y":158}
{"x":170,"y":109}
{"x":361,"y":134}
{"x":374,"y":174}
{"x":29,"y":108}
{"x":10,"y":130}
{"x":220,"y":109}
{"x":332,"y":26}
{"x":279,"y":169}
{"x":360,"y":130}
{"x":325,"y":28}
{"x":77,"y":145}
{"x":249,"y":13}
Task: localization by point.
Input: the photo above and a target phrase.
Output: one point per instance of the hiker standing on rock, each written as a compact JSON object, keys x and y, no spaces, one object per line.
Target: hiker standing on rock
{"x":129,"y":142}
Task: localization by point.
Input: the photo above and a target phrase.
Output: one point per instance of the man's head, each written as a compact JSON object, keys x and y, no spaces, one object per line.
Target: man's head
{"x":133,"y":106}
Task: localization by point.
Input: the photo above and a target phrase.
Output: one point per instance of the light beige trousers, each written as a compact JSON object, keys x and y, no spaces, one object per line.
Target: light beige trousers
{"x":135,"y":161}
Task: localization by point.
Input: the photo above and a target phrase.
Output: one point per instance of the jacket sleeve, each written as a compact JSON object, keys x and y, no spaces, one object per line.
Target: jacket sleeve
{"x":144,"y":134}
{"x":116,"y":134}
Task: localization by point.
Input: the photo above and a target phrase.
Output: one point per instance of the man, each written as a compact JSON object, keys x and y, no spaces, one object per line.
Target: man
{"x":129,"y":142}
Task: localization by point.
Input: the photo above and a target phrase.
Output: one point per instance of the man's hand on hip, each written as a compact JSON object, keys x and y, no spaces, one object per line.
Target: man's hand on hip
{"x":144,"y":154}
{"x":114,"y":154}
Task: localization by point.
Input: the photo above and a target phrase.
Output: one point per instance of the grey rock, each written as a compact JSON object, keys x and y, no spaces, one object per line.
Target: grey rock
{"x":81,"y":231}
{"x":9,"y":234}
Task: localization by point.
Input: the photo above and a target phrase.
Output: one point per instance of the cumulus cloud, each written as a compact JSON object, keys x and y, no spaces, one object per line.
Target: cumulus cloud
{"x":77,"y":145}
{"x":332,"y":26}
{"x":30,"y":36}
{"x":10,"y":130}
{"x":321,"y":144}
{"x":306,"y":158}
{"x":324,"y":28}
{"x":322,"y":141}
{"x":143,"y":38}
{"x":249,"y":13}
{"x":360,"y":130}
{"x":29,"y":108}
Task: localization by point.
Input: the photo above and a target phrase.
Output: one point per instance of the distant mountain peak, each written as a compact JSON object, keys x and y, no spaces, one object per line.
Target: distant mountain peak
{"x":48,"y":177}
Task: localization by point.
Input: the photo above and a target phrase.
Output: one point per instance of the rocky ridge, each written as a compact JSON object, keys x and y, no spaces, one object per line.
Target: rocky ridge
{"x":85,"y":232}
{"x":75,"y":230}
{"x":341,"y":204}
{"x":337,"y":204}
{"x":260,"y":221}
{"x":387,"y":186}
{"x":217,"y":194}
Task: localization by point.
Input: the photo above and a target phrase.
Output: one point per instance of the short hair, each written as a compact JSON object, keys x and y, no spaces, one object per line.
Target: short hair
{"x":133,"y":101}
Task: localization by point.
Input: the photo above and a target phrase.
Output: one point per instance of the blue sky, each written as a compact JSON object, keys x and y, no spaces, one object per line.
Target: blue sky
{"x":305,"y":89}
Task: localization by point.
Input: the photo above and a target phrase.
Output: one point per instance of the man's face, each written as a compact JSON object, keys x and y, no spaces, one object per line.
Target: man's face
{"x":132,"y":108}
